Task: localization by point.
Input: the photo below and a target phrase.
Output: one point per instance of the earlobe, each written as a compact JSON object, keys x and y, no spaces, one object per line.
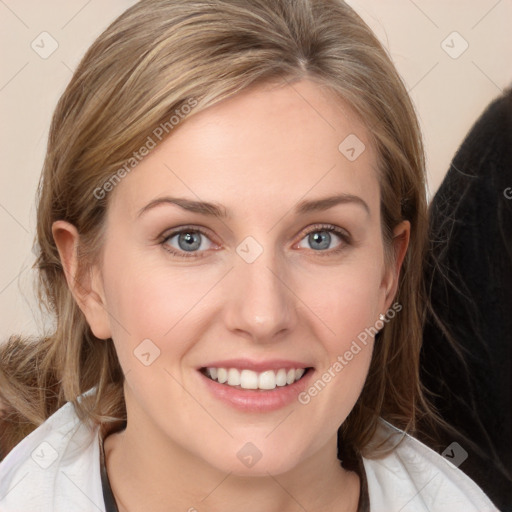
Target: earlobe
{"x":86,"y":289}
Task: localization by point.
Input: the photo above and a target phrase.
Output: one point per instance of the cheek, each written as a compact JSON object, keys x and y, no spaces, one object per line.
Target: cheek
{"x":346,"y":299}
{"x":149,"y":298}
{"x":347,"y":308}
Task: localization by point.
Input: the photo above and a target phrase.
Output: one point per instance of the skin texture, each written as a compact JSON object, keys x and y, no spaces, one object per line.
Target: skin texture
{"x":258,"y":154}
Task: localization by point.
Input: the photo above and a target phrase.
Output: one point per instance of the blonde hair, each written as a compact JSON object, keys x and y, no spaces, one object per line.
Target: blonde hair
{"x":148,"y":64}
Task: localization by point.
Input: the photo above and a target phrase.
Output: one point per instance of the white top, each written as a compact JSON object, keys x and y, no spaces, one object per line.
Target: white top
{"x":56,"y":468}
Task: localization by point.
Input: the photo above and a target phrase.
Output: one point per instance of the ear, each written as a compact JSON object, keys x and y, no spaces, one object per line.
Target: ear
{"x":88,"y":292}
{"x":400,"y":242}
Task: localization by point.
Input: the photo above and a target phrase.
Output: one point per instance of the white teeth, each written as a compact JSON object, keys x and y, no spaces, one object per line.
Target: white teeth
{"x":267,"y":380}
{"x":222,"y":375}
{"x":233,"y":377}
{"x":281,"y":377}
{"x":248,"y":379}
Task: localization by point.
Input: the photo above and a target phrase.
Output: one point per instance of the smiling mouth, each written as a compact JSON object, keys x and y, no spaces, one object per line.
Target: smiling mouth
{"x":256,"y":381}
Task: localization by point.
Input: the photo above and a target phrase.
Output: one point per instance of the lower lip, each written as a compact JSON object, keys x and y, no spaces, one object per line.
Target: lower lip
{"x":257,"y":400}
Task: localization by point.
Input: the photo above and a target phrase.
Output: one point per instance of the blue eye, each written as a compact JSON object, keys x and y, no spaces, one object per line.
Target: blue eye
{"x":319,"y":238}
{"x":322,"y":239}
{"x":188,"y":241}
{"x":193,"y":242}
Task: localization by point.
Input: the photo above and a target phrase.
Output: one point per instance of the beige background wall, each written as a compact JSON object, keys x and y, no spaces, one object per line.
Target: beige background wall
{"x":450,"y":82}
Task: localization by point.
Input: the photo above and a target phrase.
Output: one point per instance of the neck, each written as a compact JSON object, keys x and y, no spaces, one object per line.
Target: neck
{"x":143,"y":479}
{"x":148,"y":471}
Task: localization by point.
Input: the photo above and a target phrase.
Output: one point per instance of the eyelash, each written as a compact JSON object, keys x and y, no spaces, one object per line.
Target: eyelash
{"x":344,"y":236}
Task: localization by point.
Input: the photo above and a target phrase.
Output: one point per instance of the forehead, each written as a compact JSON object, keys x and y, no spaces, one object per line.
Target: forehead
{"x":265,"y":148}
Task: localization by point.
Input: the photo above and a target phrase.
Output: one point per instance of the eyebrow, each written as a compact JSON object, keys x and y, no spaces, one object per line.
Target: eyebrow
{"x":202,"y":207}
{"x":219,"y":211}
{"x":328,"y":202}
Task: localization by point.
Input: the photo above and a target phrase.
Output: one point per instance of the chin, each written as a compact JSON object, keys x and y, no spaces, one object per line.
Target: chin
{"x":258,"y":458}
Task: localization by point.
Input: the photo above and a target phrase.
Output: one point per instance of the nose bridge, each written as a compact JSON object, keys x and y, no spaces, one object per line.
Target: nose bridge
{"x":261,"y":305}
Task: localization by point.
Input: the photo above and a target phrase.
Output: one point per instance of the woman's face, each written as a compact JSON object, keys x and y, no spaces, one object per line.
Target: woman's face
{"x":282,"y":273}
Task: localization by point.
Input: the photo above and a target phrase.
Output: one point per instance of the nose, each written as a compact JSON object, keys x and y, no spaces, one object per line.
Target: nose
{"x":262,"y":305}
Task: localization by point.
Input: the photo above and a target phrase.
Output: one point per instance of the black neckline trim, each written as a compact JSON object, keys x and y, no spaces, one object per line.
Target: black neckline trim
{"x":108,"y":495}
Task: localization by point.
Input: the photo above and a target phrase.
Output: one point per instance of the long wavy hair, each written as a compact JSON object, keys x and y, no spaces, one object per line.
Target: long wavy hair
{"x":140,"y":71}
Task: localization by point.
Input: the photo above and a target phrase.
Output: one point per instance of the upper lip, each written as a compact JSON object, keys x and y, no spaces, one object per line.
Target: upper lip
{"x":257,"y":366}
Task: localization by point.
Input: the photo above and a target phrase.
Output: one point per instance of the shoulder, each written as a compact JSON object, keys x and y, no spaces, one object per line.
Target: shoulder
{"x":414,"y":478}
{"x":56,"y":468}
